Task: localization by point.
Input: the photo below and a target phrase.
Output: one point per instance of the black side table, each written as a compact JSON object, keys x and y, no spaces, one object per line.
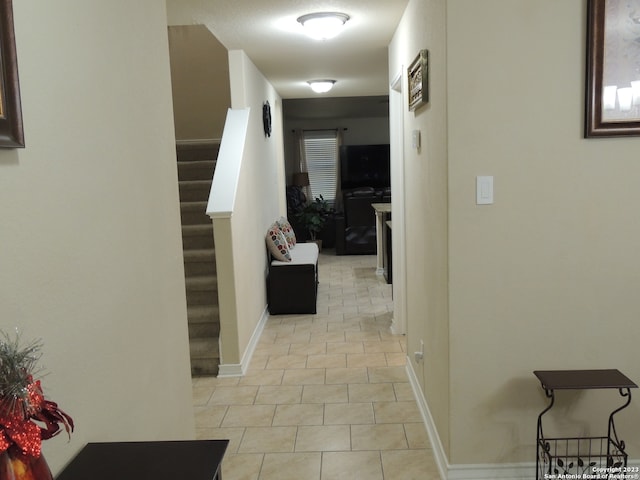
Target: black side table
{"x":603,"y":456}
{"x":170,"y":460}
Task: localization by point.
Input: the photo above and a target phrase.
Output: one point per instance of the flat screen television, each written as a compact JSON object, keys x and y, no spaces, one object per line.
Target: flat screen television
{"x":365,"y":166}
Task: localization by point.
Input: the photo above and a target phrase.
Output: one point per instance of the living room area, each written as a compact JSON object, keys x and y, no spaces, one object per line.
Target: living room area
{"x":337,"y":165}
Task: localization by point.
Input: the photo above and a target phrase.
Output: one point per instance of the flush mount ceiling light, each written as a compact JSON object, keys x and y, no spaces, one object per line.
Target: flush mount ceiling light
{"x":323,"y":25}
{"x":321,"y":86}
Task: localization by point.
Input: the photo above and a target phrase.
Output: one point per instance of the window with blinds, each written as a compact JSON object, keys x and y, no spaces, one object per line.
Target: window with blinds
{"x":321,"y":152}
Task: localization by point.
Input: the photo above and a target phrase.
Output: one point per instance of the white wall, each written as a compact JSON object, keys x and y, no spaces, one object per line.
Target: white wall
{"x":546,"y":278}
{"x":91,"y":259}
{"x":260,"y":200}
{"x":200,"y":82}
{"x":424,"y":175}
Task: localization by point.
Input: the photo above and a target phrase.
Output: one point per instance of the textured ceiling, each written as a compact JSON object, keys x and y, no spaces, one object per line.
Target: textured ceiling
{"x":270,"y":35}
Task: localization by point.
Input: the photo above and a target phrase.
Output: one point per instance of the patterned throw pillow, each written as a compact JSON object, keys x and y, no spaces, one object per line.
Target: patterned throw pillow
{"x":287,"y":229}
{"x":277,"y":244}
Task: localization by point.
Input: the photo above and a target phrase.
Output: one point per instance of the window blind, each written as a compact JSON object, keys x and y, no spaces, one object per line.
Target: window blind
{"x":321,"y":152}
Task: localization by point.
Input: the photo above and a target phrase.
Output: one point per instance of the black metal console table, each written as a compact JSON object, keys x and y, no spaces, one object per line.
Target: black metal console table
{"x":581,"y":455}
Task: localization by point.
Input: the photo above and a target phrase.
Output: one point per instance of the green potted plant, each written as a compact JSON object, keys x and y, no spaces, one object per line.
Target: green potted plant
{"x":312,"y":216}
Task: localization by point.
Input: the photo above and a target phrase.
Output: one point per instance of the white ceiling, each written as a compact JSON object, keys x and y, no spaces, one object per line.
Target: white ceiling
{"x":268,"y":32}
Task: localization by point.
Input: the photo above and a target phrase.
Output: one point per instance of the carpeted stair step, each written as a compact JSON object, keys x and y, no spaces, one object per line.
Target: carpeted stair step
{"x":194,"y":213}
{"x":205,"y":356}
{"x":194,"y":190}
{"x":202,"y":283}
{"x":196,"y":170}
{"x":202,"y":290}
{"x":197,"y":236}
{"x":200,"y":255}
{"x":189,"y":153}
{"x":199,"y":262}
{"x":204,"y":321}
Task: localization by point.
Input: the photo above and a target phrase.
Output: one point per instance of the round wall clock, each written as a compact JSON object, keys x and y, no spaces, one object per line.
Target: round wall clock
{"x":266,"y":119}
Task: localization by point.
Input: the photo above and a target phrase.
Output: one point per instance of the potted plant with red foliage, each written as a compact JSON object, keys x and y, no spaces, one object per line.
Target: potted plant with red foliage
{"x":26,"y":417}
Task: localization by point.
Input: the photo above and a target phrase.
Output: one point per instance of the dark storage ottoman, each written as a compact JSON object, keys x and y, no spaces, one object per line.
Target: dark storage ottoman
{"x":292,"y":287}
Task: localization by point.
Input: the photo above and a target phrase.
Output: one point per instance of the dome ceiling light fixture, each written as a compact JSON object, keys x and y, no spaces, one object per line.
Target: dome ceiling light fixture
{"x":321,"y":86}
{"x":323,"y":25}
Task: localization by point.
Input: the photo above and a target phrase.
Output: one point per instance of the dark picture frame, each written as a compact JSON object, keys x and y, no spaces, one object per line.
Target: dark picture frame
{"x":418,"y":78}
{"x":613,"y":69}
{"x":11,"y":131}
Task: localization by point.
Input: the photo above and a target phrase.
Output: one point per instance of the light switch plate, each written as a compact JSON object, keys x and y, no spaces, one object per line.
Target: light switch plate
{"x":484,"y":190}
{"x":415,"y":139}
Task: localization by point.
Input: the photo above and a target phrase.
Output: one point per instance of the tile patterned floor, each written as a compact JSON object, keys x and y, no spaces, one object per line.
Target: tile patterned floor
{"x":326,"y":396}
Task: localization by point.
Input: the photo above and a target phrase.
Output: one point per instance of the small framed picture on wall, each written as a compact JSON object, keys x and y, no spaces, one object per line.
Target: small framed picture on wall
{"x":418,"y":76}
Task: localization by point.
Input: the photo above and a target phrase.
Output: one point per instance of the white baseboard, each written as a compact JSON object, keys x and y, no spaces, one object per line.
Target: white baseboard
{"x":395,"y":330}
{"x":239,"y":369}
{"x":432,"y":432}
{"x":482,"y":471}
{"x":507,"y":471}
{"x":230,"y":370}
{"x":512,"y":471}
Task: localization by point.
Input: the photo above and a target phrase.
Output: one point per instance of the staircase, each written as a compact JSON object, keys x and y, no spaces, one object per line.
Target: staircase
{"x":196,"y":164}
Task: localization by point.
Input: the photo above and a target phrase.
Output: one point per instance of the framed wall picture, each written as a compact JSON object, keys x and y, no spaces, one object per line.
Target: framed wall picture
{"x":11,"y":133}
{"x":613,"y":69}
{"x":418,"y":76}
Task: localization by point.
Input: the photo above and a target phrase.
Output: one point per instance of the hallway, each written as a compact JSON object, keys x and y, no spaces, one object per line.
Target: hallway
{"x":326,"y":396}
